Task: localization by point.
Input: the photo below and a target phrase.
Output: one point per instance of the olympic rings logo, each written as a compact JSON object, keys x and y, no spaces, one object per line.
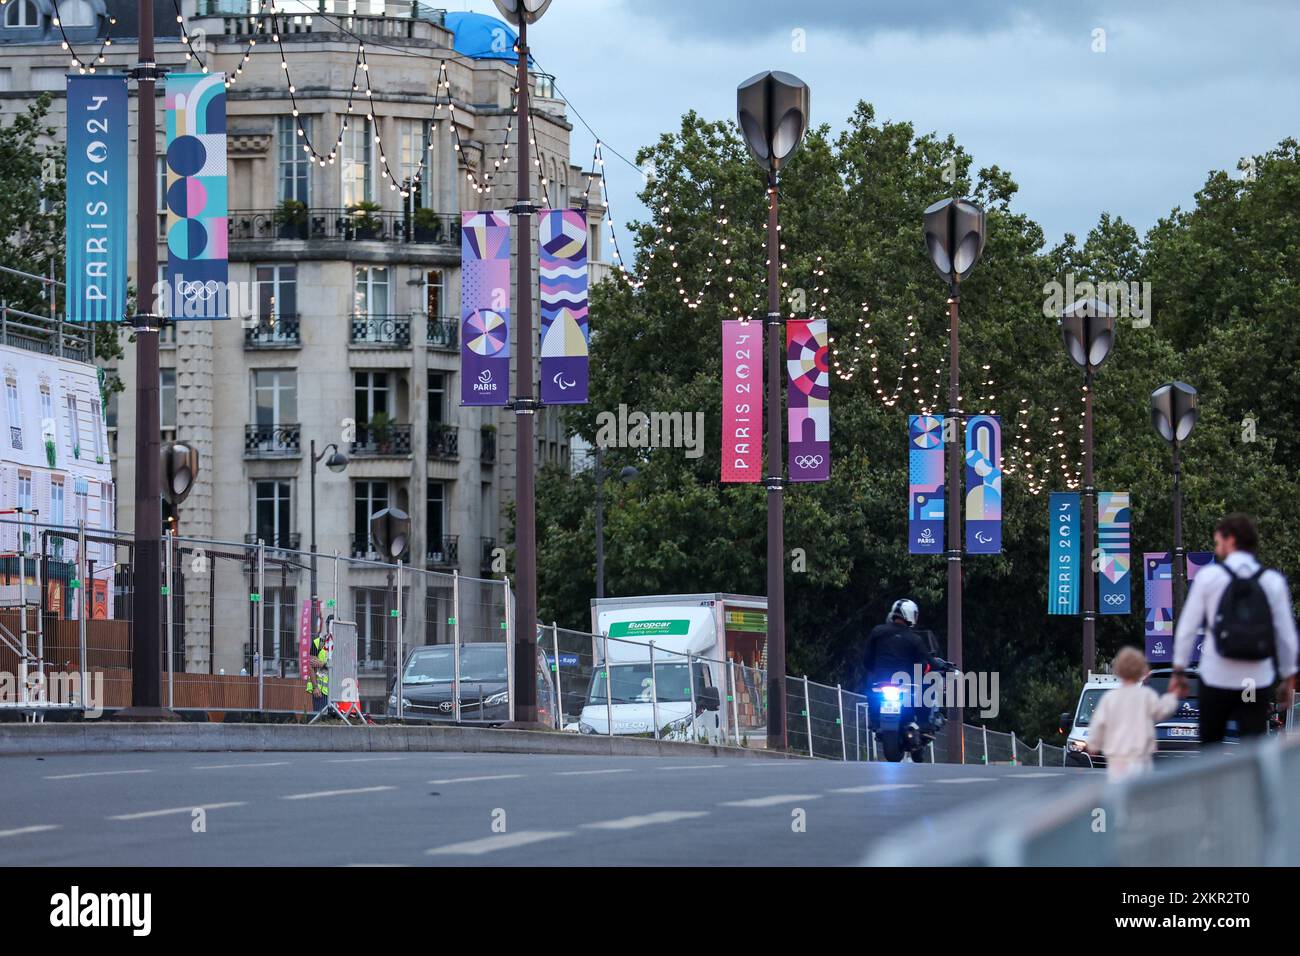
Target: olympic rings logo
{"x":808,"y":461}
{"x":1114,"y":600}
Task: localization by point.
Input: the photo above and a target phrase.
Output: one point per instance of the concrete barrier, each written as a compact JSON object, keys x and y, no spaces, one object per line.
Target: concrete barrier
{"x":111,"y":737}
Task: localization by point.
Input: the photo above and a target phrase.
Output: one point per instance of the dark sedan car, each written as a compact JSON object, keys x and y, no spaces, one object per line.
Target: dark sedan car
{"x":430,"y":674}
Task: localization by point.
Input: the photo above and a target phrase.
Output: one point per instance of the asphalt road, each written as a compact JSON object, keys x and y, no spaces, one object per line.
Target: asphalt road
{"x":471,"y":809}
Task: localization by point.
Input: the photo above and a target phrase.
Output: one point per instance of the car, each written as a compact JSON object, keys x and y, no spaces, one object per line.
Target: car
{"x":430,"y":672}
{"x":1075,"y":725}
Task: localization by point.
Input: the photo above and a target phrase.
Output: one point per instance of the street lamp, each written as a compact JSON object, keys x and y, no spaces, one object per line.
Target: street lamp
{"x":390,"y":530}
{"x":180,"y":468}
{"x":1173,"y":413}
{"x":629,"y":473}
{"x":773,"y":111}
{"x":1088,"y":331}
{"x":336,"y":462}
{"x":954,"y":239}
{"x":521,"y":13}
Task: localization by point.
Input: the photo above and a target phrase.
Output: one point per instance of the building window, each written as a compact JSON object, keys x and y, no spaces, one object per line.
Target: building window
{"x":107,"y":518}
{"x":279,"y":631}
{"x":370,"y":297}
{"x":81,"y":498}
{"x":438,"y":397}
{"x":22,"y":13}
{"x":415,"y":151}
{"x":275,"y":397}
{"x":435,"y":289}
{"x":167,"y":398}
{"x":74,"y":426}
{"x":370,"y":611}
{"x":57,"y":512}
{"x":15,"y":408}
{"x":294,"y":179}
{"x":373,"y":396}
{"x":97,"y":422}
{"x":76,"y":13}
{"x":437,"y":514}
{"x":357,"y":187}
{"x":368,"y":497}
{"x":272,"y":517}
{"x":25,"y":505}
{"x":277,"y":291}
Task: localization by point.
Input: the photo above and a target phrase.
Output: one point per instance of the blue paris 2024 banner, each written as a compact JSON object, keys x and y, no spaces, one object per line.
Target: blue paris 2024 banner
{"x":197,"y":267}
{"x":925,"y":484}
{"x":95,"y":264}
{"x":1063,"y":570}
{"x":984,"y":484}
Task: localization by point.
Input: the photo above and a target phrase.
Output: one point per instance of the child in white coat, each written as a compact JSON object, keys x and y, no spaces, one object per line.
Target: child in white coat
{"x":1123,"y":727}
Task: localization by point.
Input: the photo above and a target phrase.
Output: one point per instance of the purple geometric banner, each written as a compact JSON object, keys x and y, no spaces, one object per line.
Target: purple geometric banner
{"x":925,"y":484}
{"x":1159,"y":577}
{"x":565,"y":333}
{"x":1114,"y":536}
{"x":485,"y":308}
{"x":984,"y":484}
{"x":808,"y":406}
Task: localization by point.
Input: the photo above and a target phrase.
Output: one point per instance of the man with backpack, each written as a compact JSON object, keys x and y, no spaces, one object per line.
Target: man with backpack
{"x":1250,"y":635}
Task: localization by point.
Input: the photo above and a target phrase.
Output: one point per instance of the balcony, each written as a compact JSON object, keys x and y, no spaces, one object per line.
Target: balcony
{"x":16,"y":437}
{"x":275,"y":542}
{"x":442,"y":333}
{"x":344,"y":225}
{"x":444,"y":442}
{"x":488,"y":445}
{"x":272,"y":441}
{"x":279,"y":332}
{"x":389,"y":440}
{"x":363,"y":549}
{"x":381,"y":331}
{"x":443,"y":553}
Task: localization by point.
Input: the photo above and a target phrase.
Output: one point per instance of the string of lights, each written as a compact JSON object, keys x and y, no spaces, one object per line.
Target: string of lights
{"x":77,"y":63}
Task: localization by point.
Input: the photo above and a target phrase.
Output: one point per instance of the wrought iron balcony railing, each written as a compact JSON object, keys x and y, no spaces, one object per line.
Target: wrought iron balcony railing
{"x":382,"y":441}
{"x":444,"y":442}
{"x":442,"y":333}
{"x":272,"y":441}
{"x":444,"y":552}
{"x":363,"y":548}
{"x":277,"y":541}
{"x":382,"y":331}
{"x":279,"y":332}
{"x":343,"y":225}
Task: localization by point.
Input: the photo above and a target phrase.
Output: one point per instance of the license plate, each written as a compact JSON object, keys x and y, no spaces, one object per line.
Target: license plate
{"x":891,"y":707}
{"x":1182,"y":731}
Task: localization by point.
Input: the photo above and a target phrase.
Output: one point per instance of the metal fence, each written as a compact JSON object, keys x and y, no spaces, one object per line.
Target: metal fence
{"x":1231,"y":808}
{"x":242,"y":623}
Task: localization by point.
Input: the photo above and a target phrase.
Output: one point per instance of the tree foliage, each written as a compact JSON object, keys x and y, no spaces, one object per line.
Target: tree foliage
{"x":1224,"y":284}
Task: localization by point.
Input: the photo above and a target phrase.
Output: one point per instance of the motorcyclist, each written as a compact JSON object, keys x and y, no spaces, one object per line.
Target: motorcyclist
{"x":897,"y":646}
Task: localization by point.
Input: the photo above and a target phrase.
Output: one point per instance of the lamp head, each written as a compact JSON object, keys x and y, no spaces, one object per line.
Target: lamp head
{"x":390,"y":531}
{"x":1088,"y":331}
{"x":180,"y":467}
{"x":529,"y":10}
{"x":954,"y":237}
{"x":773,"y":110}
{"x":1174,"y":410}
{"x":337,"y":461}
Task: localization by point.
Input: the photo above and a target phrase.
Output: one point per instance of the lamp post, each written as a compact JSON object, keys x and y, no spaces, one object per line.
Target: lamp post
{"x":390,"y":531}
{"x":521,"y":13}
{"x":629,"y":473}
{"x":1173,"y":413}
{"x":954,"y":239}
{"x":336,"y":462}
{"x":146,"y":570}
{"x":773,"y":111}
{"x":1088,"y":331}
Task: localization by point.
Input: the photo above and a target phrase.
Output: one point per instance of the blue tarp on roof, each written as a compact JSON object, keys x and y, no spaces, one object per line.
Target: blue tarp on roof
{"x":482,"y":37}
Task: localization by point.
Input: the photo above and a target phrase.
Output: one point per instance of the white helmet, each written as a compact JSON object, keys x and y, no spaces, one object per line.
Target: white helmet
{"x":907,"y":610}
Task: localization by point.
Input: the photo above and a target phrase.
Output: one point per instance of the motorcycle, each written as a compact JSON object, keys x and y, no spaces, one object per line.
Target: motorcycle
{"x":901,"y":722}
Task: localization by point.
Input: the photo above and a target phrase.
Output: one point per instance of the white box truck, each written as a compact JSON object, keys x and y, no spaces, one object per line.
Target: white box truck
{"x":708,"y":681}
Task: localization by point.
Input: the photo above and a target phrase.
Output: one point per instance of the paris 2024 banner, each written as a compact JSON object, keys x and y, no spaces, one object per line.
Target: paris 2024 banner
{"x":565,"y":334}
{"x":485,"y":308}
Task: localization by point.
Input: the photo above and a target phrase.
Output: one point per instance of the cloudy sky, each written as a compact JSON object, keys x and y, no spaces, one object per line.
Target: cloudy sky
{"x":1182,"y":87}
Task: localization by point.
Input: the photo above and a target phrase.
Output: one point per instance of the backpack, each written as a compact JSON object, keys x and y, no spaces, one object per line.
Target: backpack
{"x":1243,"y":623}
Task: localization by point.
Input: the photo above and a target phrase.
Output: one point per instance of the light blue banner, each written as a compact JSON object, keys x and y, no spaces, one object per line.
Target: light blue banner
{"x":1064,"y":516}
{"x":96,"y":243}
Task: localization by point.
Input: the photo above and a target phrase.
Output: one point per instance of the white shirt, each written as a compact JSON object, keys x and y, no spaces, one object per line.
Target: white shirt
{"x":1203,"y":603}
{"x":1124,"y":725}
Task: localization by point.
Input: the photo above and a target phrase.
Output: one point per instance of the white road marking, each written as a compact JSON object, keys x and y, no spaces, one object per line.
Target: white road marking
{"x":876,"y":788}
{"x":1036,"y":776}
{"x":646,"y":820}
{"x":964,"y":780}
{"x":503,"y":841}
{"x":174,"y":810}
{"x":20,"y":831}
{"x":695,"y":766}
{"x":334,"y":793}
{"x":581,"y":773}
{"x":95,"y":773}
{"x":494,"y":776}
{"x":240,"y":766}
{"x":361,"y":760}
{"x":772,"y":801}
